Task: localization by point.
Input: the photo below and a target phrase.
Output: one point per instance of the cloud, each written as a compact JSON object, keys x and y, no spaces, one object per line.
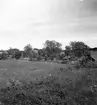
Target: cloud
{"x":86,"y":26}
{"x":34,"y":21}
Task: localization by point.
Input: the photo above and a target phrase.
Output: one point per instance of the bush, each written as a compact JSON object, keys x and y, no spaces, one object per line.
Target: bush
{"x":46,"y":91}
{"x":91,"y":64}
{"x":77,"y":65}
{"x":39,"y":58}
{"x":85,"y":62}
{"x":3,"y":56}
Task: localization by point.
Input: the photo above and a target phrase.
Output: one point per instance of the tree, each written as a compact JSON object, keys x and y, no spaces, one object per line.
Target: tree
{"x":28,"y":50}
{"x":77,"y":49}
{"x":52,"y":48}
{"x":3,"y":55}
{"x":18,"y":55}
{"x":67,"y":50}
{"x":14,"y":53}
{"x":41,"y":52}
{"x":52,"y":44}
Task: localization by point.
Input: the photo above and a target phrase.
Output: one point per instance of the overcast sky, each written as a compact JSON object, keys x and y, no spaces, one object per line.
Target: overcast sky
{"x":34,"y":21}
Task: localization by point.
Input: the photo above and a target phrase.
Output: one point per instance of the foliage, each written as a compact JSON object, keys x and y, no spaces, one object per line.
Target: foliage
{"x":18,"y":55}
{"x":52,"y":44}
{"x":3,"y":56}
{"x":77,"y":49}
{"x":91,"y":64}
{"x":67,"y":50}
{"x":52,"y":48}
{"x":15,"y":53}
{"x":41,"y":52}
{"x":28,"y":50}
{"x":61,"y":55}
{"x":38,"y":58}
{"x":49,"y":91}
{"x":85,"y":62}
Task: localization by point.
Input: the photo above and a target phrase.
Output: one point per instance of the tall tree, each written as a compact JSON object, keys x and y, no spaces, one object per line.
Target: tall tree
{"x":78,"y":49}
{"x":28,"y":50}
{"x":52,"y":48}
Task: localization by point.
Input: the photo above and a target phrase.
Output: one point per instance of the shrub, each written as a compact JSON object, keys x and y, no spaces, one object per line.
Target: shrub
{"x":77,"y":65}
{"x":46,"y":91}
{"x":91,"y":64}
{"x":85,"y":62}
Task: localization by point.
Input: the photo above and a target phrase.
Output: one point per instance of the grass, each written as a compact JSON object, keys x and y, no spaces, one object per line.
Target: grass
{"x":62,"y":86}
{"x":49,"y":91}
{"x":28,"y":70}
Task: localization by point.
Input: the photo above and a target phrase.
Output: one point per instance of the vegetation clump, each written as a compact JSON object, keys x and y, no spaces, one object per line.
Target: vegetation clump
{"x":50,"y":91}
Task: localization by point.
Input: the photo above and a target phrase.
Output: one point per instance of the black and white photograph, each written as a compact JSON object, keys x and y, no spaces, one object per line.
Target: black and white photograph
{"x":48,"y":52}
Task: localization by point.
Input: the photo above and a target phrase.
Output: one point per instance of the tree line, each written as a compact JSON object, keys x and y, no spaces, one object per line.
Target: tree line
{"x":52,"y":50}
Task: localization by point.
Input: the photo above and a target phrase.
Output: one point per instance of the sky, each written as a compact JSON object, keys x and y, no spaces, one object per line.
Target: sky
{"x":33,"y":22}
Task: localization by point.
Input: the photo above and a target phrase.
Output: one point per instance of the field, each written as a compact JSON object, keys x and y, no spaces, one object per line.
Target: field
{"x":78,"y":91}
{"x":30,"y":70}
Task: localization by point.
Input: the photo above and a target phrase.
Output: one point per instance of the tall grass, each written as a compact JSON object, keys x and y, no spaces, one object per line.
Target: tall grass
{"x":50,"y":91}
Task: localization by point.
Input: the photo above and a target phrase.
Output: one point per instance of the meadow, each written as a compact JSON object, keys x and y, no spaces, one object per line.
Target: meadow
{"x":55,"y":83}
{"x":31,"y":70}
